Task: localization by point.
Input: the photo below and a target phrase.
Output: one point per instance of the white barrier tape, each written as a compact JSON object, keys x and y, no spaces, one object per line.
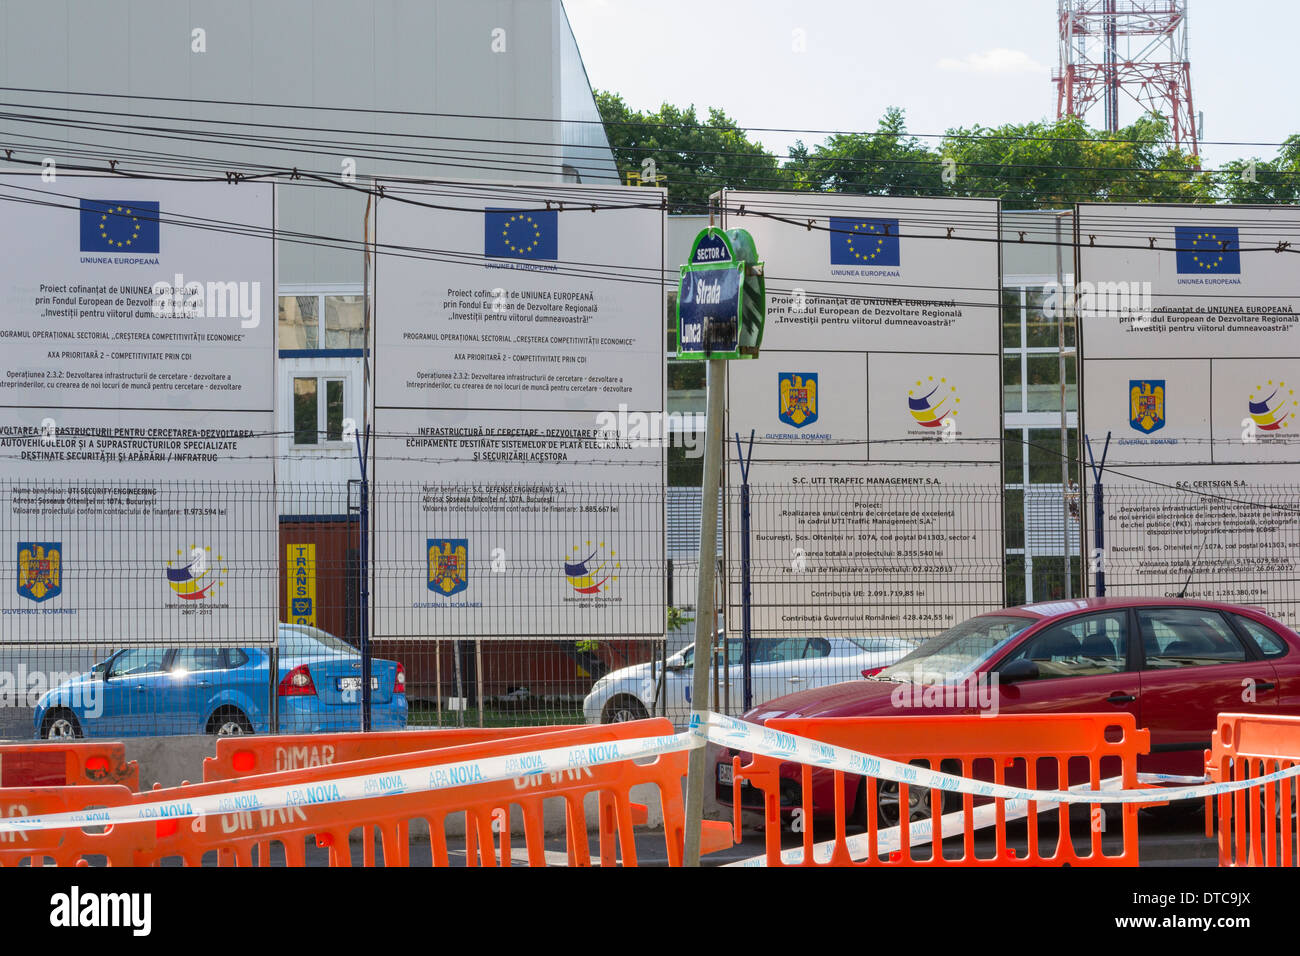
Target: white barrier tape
{"x":752,"y":738}
{"x":889,"y":839}
{"x":366,"y":786}
{"x":1170,"y":778}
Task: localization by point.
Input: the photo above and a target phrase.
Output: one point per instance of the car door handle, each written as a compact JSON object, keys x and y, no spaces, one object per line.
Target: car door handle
{"x":795,"y":680}
{"x":1265,"y":685}
{"x":1120,"y":699}
{"x":203,"y":683}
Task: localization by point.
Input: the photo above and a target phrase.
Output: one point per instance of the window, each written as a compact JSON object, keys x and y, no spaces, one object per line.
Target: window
{"x":1011,"y":318}
{"x":318,"y":407}
{"x":198,"y":659}
{"x":344,"y":322}
{"x":315,"y":321}
{"x":670,"y":317}
{"x":299,"y":322}
{"x":1187,"y":637}
{"x":1080,"y":647}
{"x":139,"y":660}
{"x":1269,"y":643}
{"x":1011,"y":383}
{"x":817,"y":647}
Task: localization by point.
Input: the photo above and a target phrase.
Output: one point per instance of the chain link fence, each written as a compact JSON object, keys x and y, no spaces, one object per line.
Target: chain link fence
{"x":234,"y":608}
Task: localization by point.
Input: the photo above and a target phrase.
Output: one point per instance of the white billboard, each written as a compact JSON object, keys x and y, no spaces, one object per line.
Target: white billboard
{"x":1189,"y":338}
{"x":519,"y":412}
{"x":876,"y":411}
{"x":136,"y":390}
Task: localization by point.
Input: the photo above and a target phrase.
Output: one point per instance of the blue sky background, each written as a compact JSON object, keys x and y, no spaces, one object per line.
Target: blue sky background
{"x":946,"y":62}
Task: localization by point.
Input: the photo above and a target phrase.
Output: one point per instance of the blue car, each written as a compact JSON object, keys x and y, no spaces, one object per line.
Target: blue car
{"x":225,"y":690}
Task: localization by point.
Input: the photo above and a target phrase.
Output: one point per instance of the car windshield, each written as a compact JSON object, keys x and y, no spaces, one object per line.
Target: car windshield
{"x":298,"y":639}
{"x":957,"y":652}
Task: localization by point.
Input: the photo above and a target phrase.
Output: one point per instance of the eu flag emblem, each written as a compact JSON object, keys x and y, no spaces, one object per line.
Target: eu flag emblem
{"x":1204,"y":249}
{"x":119,"y":226}
{"x":514,"y":234}
{"x":864,"y":242}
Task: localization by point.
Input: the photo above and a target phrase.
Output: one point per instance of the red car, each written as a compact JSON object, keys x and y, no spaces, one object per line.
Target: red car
{"x":1173,"y":664}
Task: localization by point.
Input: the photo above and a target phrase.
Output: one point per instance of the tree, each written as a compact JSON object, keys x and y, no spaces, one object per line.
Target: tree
{"x":697,"y":158}
{"x":1265,"y":181}
{"x":887,"y":162}
{"x":1063,"y":162}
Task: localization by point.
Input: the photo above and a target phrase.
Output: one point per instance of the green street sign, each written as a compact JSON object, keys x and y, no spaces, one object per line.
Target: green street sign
{"x":721,"y":298}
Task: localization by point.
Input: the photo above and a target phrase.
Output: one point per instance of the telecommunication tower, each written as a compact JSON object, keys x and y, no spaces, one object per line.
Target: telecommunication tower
{"x":1138,"y":47}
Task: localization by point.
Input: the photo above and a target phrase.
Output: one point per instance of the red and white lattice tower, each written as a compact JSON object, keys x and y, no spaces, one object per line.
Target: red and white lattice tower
{"x":1138,"y":47}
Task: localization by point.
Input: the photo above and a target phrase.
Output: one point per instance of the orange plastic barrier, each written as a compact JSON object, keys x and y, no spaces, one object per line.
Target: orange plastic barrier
{"x":1257,"y":826}
{"x":246,"y":835}
{"x":114,"y":846}
{"x":241,"y":756}
{"x":1016,"y":750}
{"x":67,"y":764}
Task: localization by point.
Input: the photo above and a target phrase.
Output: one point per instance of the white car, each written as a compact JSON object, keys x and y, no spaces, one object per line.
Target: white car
{"x":779,"y":666}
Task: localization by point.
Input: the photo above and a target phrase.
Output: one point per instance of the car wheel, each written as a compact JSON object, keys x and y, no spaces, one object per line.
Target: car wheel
{"x":622,"y":709}
{"x":918,"y":798}
{"x":60,"y":724}
{"x":229,"y":722}
{"x":887,"y":812}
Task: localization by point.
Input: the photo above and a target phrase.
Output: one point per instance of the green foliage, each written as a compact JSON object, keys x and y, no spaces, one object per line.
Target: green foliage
{"x":698,"y":158}
{"x":1063,"y":162}
{"x":1026,"y":165}
{"x":887,"y":162}
{"x":677,"y":619}
{"x":1265,"y":181}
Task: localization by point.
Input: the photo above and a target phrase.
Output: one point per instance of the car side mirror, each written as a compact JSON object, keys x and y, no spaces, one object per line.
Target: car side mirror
{"x":100,"y":670}
{"x":1018,"y":670}
{"x":676,"y":666}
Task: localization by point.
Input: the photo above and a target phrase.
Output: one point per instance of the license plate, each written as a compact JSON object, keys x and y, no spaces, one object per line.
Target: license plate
{"x":725,"y":774}
{"x":354,"y":683}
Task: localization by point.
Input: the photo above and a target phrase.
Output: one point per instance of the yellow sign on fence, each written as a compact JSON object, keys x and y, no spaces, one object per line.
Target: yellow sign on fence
{"x":301,"y":571}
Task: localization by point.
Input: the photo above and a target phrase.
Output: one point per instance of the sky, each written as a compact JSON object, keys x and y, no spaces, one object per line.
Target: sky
{"x":945,"y":62}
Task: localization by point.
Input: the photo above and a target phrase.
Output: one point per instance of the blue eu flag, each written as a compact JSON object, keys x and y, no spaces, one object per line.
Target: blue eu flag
{"x":1206,"y":249}
{"x":119,"y":226}
{"x":514,"y":234}
{"x":864,"y":242}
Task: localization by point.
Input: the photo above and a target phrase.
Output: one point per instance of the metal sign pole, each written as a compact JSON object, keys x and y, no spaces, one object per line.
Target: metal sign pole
{"x":1098,"y":513}
{"x":1062,"y":314}
{"x":362,"y":451}
{"x":745,"y":459}
{"x":704,"y":613}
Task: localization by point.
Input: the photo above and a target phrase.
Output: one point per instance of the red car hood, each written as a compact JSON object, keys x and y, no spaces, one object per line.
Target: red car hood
{"x":860,"y":698}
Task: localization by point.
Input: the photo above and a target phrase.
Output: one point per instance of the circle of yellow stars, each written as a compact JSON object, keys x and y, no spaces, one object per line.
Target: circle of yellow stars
{"x":1289,"y":391}
{"x":219,"y":570}
{"x":528,"y":221}
{"x":942,"y":381}
{"x":870,"y":227}
{"x":1213,"y":263}
{"x":135,"y":226}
